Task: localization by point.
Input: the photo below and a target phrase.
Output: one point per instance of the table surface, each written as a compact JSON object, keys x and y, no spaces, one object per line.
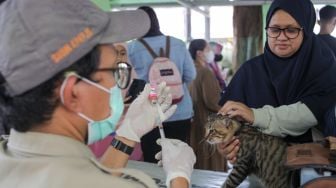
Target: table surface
{"x":199,"y":178}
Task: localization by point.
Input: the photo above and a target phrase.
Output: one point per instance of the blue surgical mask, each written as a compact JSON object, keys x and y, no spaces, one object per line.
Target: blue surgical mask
{"x":98,"y":130}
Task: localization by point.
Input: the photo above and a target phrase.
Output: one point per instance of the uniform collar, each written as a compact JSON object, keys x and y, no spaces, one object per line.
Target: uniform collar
{"x":36,"y":143}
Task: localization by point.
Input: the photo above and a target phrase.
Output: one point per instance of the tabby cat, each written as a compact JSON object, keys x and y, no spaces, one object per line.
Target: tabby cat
{"x":259,"y":154}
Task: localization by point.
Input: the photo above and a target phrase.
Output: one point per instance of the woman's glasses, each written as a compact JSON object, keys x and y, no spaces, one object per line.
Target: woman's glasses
{"x":121,"y":74}
{"x":290,"y":32}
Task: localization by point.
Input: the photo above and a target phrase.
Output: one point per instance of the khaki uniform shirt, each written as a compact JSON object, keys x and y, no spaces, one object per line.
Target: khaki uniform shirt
{"x":38,"y":160}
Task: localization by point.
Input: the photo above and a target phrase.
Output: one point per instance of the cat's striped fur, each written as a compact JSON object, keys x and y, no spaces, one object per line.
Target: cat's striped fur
{"x":259,"y":154}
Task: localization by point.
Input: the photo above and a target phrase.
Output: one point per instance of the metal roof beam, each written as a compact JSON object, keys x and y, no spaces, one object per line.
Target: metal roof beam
{"x":189,"y":4}
{"x":195,"y":4}
{"x":247,"y":2}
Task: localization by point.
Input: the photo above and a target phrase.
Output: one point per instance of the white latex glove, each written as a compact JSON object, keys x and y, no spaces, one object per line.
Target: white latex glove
{"x":142,"y":114}
{"x":177,"y":159}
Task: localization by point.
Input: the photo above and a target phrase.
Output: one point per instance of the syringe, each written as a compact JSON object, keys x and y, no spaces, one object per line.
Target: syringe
{"x":153,"y":98}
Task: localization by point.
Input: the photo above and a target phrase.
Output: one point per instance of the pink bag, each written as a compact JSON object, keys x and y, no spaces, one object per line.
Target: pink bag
{"x":164,"y":70}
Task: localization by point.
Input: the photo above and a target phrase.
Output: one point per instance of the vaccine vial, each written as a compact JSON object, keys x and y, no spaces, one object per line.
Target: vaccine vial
{"x":153,"y":95}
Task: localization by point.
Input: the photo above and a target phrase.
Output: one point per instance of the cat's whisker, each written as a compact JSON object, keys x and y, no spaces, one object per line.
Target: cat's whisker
{"x":203,"y":140}
{"x":210,"y":148}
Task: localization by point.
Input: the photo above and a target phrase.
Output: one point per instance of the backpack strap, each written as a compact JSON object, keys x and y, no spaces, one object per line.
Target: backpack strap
{"x":150,"y":50}
{"x":167,"y":46}
{"x":162,"y":54}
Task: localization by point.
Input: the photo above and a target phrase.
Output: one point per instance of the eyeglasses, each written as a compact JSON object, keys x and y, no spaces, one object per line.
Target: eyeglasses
{"x":121,"y":74}
{"x":290,"y":32}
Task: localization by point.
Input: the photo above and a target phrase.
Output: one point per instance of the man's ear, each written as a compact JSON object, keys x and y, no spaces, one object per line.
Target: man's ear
{"x":70,"y":98}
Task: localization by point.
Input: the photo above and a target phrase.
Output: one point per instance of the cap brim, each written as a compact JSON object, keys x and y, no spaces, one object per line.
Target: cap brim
{"x":126,"y":25}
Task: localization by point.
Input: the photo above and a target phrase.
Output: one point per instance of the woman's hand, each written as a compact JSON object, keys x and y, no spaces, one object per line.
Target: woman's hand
{"x":238,"y":111}
{"x":229,"y":149}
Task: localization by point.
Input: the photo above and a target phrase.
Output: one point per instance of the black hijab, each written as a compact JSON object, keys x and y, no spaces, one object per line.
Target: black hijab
{"x":308,"y":76}
{"x":154,"y":29}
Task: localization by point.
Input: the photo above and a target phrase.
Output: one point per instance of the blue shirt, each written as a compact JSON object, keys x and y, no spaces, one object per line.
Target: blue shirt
{"x":142,"y":60}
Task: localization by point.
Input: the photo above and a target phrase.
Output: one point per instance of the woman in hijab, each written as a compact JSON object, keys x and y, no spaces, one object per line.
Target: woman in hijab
{"x":287,"y":90}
